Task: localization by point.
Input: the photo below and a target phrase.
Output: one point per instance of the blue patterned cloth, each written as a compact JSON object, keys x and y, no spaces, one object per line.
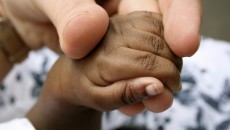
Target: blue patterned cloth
{"x":203,"y":103}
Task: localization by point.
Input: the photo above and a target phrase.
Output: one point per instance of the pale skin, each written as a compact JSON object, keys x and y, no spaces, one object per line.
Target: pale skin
{"x":70,"y":23}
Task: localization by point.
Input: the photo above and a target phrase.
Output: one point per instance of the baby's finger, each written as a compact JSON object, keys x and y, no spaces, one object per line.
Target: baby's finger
{"x":152,"y":43}
{"x":160,"y":102}
{"x":134,"y":63}
{"x":125,"y":92}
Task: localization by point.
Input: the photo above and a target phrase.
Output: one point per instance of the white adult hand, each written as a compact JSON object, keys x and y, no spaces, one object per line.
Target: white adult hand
{"x":77,"y":24}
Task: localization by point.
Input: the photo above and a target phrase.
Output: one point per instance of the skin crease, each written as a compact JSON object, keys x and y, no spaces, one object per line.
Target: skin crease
{"x":178,"y":15}
{"x":152,"y":6}
{"x":42,"y":31}
{"x":181,"y":19}
{"x":107,"y":78}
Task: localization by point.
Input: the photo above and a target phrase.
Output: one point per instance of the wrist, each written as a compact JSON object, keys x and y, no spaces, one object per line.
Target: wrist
{"x":54,"y":111}
{"x":52,"y":114}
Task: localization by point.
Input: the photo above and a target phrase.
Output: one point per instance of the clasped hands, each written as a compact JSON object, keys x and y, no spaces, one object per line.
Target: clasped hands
{"x":132,"y":65}
{"x":133,"y":47}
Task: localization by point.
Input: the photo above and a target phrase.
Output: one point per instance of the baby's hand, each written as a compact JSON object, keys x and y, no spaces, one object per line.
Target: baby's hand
{"x":133,"y":47}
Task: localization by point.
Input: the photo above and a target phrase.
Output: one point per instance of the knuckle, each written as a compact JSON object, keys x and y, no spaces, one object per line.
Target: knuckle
{"x":178,"y":61}
{"x":172,"y":77}
{"x":172,"y":70}
{"x":157,"y":44}
{"x":152,"y":21}
{"x":158,"y":25}
{"x":163,"y":50}
{"x":127,"y":96}
{"x":117,"y":25}
{"x":130,"y":96}
{"x":148,"y":61}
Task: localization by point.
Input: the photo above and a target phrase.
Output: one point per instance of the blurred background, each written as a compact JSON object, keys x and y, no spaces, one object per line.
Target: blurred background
{"x":216,"y":19}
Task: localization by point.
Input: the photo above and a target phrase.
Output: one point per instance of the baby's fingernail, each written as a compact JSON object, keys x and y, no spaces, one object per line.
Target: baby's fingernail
{"x":153,"y":90}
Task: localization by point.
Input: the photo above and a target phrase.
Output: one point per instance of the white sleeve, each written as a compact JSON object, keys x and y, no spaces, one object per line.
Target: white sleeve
{"x":17,"y":124}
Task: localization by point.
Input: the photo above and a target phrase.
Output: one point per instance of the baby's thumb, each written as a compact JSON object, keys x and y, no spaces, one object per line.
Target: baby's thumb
{"x":126,"y":92}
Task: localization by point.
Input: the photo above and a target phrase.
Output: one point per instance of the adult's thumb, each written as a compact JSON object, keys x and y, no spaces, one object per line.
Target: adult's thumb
{"x":80,"y":24}
{"x":182,"y":20}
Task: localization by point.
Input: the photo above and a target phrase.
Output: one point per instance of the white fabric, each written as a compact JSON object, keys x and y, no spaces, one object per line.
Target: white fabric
{"x":17,"y":124}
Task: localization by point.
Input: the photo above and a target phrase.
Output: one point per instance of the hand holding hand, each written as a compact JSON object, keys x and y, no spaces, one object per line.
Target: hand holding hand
{"x":109,"y":77}
{"x":133,"y":47}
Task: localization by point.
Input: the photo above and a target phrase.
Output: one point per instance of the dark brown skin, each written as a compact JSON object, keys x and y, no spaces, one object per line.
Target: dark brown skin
{"x":133,"y":47}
